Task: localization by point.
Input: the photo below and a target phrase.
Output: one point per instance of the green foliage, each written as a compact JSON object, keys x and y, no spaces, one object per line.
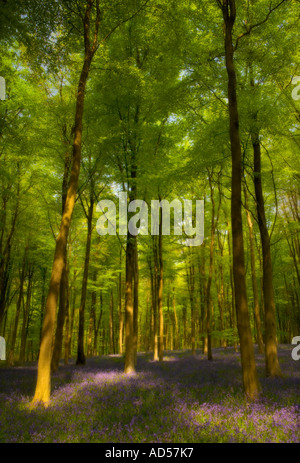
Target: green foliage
{"x":156,"y":102}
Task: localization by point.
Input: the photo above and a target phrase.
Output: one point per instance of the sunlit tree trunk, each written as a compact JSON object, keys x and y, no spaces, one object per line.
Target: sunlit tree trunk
{"x":43,"y":385}
{"x":63,"y":285}
{"x":249,"y":372}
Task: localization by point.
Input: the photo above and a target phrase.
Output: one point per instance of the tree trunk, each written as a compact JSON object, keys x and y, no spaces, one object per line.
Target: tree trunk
{"x":11,"y":354}
{"x":211,"y":268}
{"x":97,"y":328}
{"x":60,"y":321}
{"x":63,"y":284}
{"x":249,"y":373}
{"x":191,"y":288}
{"x":111,"y":325}
{"x":92,"y":320}
{"x":256,"y":308}
{"x":184,"y":327}
{"x":26,"y":308}
{"x":4,"y":279}
{"x":129,"y":310}
{"x":80,"y":348}
{"x":121,"y":314}
{"x":176,"y":334}
{"x":135,"y":299}
{"x":154,"y":301}
{"x":160,"y":292}
{"x":72,"y":317}
{"x":67,"y":320}
{"x":272,"y":363}
{"x":43,"y":385}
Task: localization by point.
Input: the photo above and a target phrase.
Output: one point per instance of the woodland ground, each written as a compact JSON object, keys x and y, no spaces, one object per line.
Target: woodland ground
{"x":184,"y":399}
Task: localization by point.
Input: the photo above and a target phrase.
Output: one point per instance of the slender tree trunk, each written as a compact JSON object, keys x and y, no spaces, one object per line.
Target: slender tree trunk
{"x":272,"y":363}
{"x":67,"y":320}
{"x":160,"y":293}
{"x":26,"y":309}
{"x":135,"y":299}
{"x":184,"y":327}
{"x":43,"y":301}
{"x":91,"y":325}
{"x":232,"y":309}
{"x":4,"y":279}
{"x":57,"y":348}
{"x":154,"y":301}
{"x":121,"y":313}
{"x":221,"y":292}
{"x":11,"y":354}
{"x":80,"y":348}
{"x":256,"y":308}
{"x":111,"y":326}
{"x":92,"y":319}
{"x":191,"y":288}
{"x":63,"y":284}
{"x":129,"y":308}
{"x":249,"y":372}
{"x":97,"y":328}
{"x":5,"y":250}
{"x":176,"y":335}
{"x":72,"y":317}
{"x":202,"y":294}
{"x":43,"y":385}
{"x":211,"y":269}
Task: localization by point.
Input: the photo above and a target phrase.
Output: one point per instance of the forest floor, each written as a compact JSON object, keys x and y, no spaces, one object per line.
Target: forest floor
{"x":184,"y":399}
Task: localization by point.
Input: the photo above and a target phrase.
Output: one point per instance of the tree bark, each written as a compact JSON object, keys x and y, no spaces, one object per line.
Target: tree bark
{"x":256,"y":308}
{"x":249,"y":372}
{"x":11,"y":354}
{"x":111,"y":325}
{"x":97,"y":328}
{"x":92,"y":319}
{"x":67,"y":319}
{"x":271,"y":354}
{"x":191,"y":288}
{"x":154,"y":302}
{"x":135,"y":299}
{"x":63,"y":284}
{"x":121,"y":313}
{"x":176,"y":333}
{"x":26,"y":308}
{"x":80,"y":348}
{"x":43,"y":385}
{"x":160,"y":292}
{"x":60,"y":321}
{"x":129,"y":310}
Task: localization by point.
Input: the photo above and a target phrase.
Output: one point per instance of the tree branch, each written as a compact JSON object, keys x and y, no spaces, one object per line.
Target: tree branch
{"x":250,"y":28}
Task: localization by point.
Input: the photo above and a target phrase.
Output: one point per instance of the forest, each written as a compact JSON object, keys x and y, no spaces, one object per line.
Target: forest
{"x":149,"y":220}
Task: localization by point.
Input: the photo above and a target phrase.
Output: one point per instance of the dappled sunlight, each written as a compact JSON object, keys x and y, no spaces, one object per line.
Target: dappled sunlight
{"x":185,"y":398}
